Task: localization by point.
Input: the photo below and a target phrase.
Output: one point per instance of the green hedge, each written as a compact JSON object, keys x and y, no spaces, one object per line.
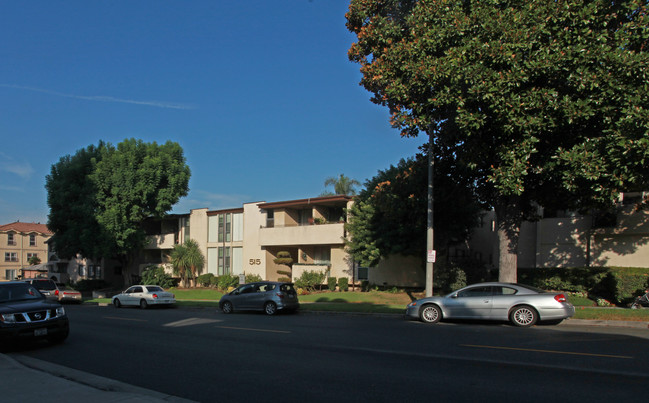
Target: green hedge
{"x":618,"y":285}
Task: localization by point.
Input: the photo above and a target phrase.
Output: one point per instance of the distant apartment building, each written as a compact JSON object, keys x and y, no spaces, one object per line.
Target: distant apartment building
{"x":247,"y":240}
{"x":20,"y":241}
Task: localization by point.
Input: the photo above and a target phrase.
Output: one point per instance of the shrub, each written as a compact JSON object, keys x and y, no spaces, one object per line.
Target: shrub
{"x":343,"y":284}
{"x":253,"y":278}
{"x":205,"y":280}
{"x":226,"y":281}
{"x":155,"y":275}
{"x":309,"y":280}
{"x":90,"y":285}
{"x":331,"y":283}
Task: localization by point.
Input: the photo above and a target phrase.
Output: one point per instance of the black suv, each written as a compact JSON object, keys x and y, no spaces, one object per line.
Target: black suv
{"x":46,"y":287}
{"x":26,"y":314}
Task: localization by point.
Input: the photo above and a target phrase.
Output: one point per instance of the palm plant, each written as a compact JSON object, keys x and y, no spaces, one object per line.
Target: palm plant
{"x":187,"y":261}
{"x":342,"y":185}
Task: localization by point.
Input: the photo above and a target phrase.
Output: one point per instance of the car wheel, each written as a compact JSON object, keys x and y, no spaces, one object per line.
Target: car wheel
{"x":430,"y":313}
{"x":116,"y":303}
{"x":143,"y":304}
{"x":523,"y":316}
{"x":270,"y":308}
{"x":226,"y":307}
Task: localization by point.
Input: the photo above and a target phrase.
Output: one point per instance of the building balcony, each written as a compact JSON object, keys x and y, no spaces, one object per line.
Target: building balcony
{"x":162,"y":241}
{"x":325,"y":234}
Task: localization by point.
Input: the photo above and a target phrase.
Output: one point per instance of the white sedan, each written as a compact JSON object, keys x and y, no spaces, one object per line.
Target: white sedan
{"x":143,"y":296}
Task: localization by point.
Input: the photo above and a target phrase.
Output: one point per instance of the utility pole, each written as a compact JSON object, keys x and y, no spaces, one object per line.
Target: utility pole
{"x":430,"y":258}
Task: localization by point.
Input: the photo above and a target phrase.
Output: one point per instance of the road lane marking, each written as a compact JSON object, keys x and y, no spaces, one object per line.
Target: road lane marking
{"x":191,"y":321}
{"x":253,"y":330}
{"x":131,"y":319}
{"x":547,"y":351}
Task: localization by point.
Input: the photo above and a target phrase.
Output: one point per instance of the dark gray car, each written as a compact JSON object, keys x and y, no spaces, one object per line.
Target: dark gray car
{"x":267,"y":296}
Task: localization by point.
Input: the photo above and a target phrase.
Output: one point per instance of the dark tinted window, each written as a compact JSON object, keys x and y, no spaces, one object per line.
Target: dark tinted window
{"x":44,"y":284}
{"x":18,"y":292}
{"x":287,"y":288}
{"x":482,"y":291}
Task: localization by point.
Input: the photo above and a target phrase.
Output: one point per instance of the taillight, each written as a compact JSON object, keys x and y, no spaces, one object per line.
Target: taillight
{"x":280,"y":295}
{"x":155,"y":296}
{"x":56,"y":292}
{"x":560,"y":298}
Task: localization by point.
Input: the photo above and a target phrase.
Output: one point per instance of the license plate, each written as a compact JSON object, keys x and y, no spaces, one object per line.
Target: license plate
{"x":40,"y":332}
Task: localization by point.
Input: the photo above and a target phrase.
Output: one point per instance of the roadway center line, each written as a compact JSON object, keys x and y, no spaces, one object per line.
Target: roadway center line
{"x":547,"y":351}
{"x":253,"y":330}
{"x":131,"y":319}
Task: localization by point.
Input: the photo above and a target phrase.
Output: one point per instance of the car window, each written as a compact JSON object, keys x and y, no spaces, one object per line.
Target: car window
{"x":19,"y":292}
{"x":130,"y":290}
{"x":246,"y":289}
{"x":154,"y":289}
{"x":287,"y":288}
{"x":137,"y":289}
{"x":44,"y":284}
{"x":499,"y":290}
{"x":481,"y":291}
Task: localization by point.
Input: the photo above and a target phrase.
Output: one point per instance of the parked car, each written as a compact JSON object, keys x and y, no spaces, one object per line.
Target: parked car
{"x":267,"y":296}
{"x":67,"y":294}
{"x":46,"y":286}
{"x":522,"y":305}
{"x":143,"y":296}
{"x":25,"y":313}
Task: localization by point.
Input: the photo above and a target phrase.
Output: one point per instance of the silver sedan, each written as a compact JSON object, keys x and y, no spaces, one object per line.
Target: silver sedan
{"x":144,"y":296}
{"x":520,"y":304}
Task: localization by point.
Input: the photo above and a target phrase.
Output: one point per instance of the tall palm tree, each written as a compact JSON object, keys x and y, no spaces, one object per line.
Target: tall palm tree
{"x":342,"y":185}
{"x":187,"y":261}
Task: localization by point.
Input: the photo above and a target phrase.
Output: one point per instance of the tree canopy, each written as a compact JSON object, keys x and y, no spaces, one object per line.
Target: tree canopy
{"x":99,"y":197}
{"x":388,"y":216}
{"x":546,"y":102}
{"x":187,"y":260}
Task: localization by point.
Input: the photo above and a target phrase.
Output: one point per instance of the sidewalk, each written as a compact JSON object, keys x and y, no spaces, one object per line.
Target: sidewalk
{"x":31,"y":380}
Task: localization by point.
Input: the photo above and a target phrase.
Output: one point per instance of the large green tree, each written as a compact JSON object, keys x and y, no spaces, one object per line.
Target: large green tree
{"x":546,"y":102}
{"x":388,"y":216}
{"x":135,"y":181}
{"x":72,"y":203}
{"x":99,"y":197}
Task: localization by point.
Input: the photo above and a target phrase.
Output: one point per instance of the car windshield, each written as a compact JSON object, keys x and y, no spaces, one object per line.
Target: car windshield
{"x":18,"y":292}
{"x":44,"y":284}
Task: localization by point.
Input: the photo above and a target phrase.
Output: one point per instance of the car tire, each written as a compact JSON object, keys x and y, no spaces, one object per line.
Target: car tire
{"x":116,"y":303}
{"x":523,"y":316}
{"x":226,"y":307}
{"x":143,"y":304}
{"x":270,"y":308}
{"x":430,"y":313}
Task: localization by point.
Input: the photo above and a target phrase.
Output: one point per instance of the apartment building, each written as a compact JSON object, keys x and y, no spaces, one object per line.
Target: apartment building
{"x":247,"y":240}
{"x":19,"y":241}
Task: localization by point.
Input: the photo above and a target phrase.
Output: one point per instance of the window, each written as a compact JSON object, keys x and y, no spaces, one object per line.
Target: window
{"x":82,"y":270}
{"x":475,"y":292}
{"x":32,"y":240}
{"x":224,"y":261}
{"x":270,"y":218}
{"x":10,"y":274}
{"x":363,"y":273}
{"x":11,"y":257}
{"x":11,"y":239}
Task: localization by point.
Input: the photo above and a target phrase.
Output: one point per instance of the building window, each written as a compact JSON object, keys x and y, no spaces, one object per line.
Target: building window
{"x":10,"y":239}
{"x":225,"y":227}
{"x":11,"y":257}
{"x":224,"y":261}
{"x":221,"y":227}
{"x":32,"y":240}
{"x":31,"y":255}
{"x":82,"y":270}
{"x":10,"y":274}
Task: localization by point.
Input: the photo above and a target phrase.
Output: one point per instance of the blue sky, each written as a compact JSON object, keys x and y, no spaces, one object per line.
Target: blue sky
{"x":260,"y":95}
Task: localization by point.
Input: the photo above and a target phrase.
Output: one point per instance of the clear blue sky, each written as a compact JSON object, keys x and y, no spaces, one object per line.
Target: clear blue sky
{"x":260,"y":95}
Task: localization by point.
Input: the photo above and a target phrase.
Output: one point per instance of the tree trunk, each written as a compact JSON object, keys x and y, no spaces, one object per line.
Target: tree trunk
{"x":509,"y":219}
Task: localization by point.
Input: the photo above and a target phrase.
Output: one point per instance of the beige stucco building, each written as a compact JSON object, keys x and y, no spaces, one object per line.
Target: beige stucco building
{"x":19,"y":241}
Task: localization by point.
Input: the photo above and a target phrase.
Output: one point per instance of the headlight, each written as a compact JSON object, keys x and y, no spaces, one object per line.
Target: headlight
{"x":8,"y":318}
{"x":60,"y":312}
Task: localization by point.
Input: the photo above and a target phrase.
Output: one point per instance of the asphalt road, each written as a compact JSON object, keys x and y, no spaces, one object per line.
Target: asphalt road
{"x":206,"y":356}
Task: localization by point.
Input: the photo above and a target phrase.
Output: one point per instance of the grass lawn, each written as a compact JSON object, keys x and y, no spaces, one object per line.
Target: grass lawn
{"x":383,"y":302}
